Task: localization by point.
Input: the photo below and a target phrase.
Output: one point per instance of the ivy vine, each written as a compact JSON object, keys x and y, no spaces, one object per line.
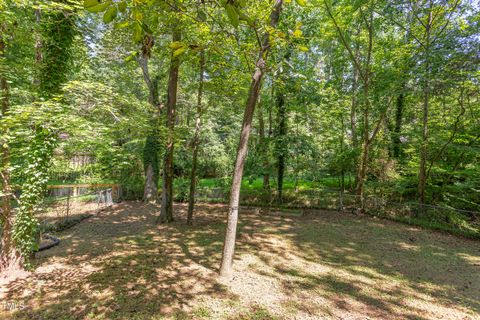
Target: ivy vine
{"x":38,"y":155}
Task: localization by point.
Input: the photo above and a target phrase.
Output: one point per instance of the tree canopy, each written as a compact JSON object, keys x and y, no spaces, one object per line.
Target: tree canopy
{"x":366,"y":99}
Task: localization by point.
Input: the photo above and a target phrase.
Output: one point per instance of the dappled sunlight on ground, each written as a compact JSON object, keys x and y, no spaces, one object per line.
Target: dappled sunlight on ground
{"x":120,"y":265}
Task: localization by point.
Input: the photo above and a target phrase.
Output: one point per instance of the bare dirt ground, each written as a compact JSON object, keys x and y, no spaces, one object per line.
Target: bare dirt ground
{"x":326,"y":265}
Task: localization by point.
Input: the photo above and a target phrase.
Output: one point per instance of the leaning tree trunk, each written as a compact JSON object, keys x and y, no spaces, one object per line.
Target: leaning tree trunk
{"x":231,"y":231}
{"x":10,"y":258}
{"x":166,"y":210}
{"x":196,"y":141}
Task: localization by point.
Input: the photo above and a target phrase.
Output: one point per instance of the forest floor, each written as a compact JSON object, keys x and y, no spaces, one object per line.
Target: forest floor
{"x":325,"y":265}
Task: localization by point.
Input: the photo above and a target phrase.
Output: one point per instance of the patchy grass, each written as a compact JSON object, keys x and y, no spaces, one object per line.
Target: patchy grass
{"x":120,"y":265}
{"x":464,"y":230}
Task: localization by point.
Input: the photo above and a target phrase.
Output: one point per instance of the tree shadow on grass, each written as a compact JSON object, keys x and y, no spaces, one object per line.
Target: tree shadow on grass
{"x":379,"y":265}
{"x":120,"y":265}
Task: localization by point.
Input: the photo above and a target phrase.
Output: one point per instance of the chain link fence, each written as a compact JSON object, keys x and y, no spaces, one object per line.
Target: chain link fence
{"x":311,"y":199}
{"x":66,"y":202}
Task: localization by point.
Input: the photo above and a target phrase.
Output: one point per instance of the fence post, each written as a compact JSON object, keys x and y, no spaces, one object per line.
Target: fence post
{"x":340,"y":198}
{"x":68,"y":201}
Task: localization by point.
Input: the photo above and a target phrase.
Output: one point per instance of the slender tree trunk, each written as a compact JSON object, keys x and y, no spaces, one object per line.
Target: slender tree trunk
{"x":296,"y":170}
{"x":353,"y":109}
{"x":342,"y":170}
{"x":166,"y":211}
{"x":362,"y":168}
{"x":398,"y":125}
{"x":264,"y":147}
{"x":363,"y":165}
{"x":150,"y":151}
{"x":196,"y":140}
{"x":270,"y":119}
{"x":281,"y":148}
{"x":38,"y":47}
{"x":282,"y":130}
{"x":270,"y":135}
{"x":231,"y":230}
{"x":10,"y":258}
{"x":364,"y":157}
{"x":422,"y":174}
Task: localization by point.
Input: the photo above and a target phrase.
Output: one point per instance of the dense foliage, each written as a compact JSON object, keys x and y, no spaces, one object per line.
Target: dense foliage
{"x":370,"y":98}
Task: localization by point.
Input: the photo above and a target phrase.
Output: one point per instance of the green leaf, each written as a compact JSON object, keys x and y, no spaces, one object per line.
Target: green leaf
{"x":137,"y":33}
{"x":110,"y":14}
{"x":131,"y":56}
{"x":137,"y":15}
{"x":176,"y":45}
{"x":202,"y":16}
{"x":179,"y":51}
{"x":357,"y":4}
{"x":95,"y":5}
{"x":146,"y":28}
{"x":122,"y":25}
{"x":297,"y":33}
{"x":232,"y":14}
{"x":303,"y":48}
{"x":90,"y":3}
{"x":302,"y":3}
{"x":122,"y":6}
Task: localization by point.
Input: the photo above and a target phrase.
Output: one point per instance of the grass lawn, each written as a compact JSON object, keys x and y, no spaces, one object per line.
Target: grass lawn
{"x":322,"y":265}
{"x":256,"y":184}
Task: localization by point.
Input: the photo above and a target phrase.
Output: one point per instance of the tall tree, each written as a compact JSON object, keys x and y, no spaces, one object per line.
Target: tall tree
{"x":281,"y":136}
{"x":196,"y":138}
{"x":58,"y":33}
{"x":264,"y":146}
{"x":151,"y":148}
{"x":9,"y":256}
{"x":166,"y":211}
{"x":366,"y":15}
{"x":232,"y":218}
{"x":433,"y":19}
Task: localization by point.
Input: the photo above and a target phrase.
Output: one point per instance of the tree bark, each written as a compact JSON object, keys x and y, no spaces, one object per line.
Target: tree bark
{"x":282,"y":132}
{"x":150,"y":151}
{"x":264,"y":149}
{"x":397,"y":131}
{"x":422,"y":174}
{"x":10,"y":258}
{"x":353,"y":109}
{"x":363,"y":165}
{"x":150,"y":190}
{"x":38,"y":47}
{"x":166,"y":210}
{"x":231,"y":230}
{"x":196,"y":140}
{"x":364,"y":74}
